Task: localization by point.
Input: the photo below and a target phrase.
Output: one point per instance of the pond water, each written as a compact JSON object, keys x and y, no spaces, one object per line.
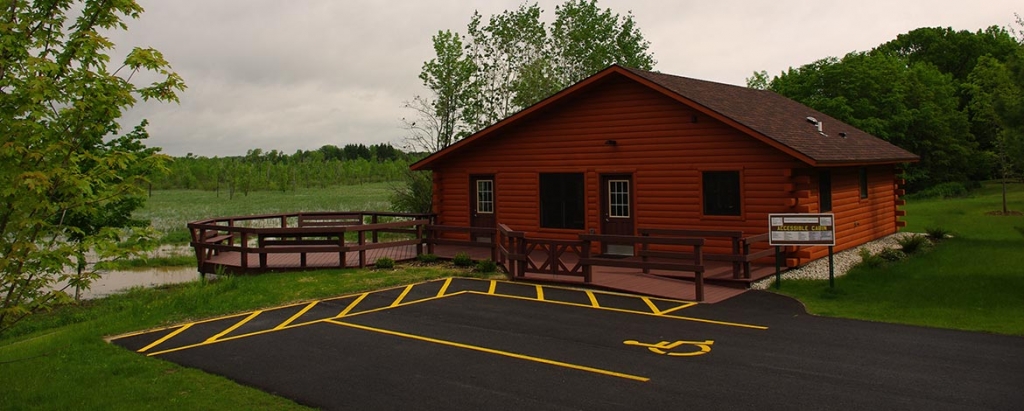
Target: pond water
{"x":112,"y":282}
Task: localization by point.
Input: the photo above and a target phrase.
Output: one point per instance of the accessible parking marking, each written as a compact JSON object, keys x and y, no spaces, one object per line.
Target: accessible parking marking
{"x":332,"y":310}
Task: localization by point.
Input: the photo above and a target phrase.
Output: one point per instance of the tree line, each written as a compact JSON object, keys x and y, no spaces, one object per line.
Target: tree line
{"x":955,"y":98}
{"x":274,"y":170}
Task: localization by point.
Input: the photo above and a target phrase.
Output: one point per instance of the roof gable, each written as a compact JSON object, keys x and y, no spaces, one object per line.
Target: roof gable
{"x":767,"y":116}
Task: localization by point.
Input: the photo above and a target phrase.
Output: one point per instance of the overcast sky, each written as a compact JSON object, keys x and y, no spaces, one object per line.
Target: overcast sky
{"x":300,"y":74}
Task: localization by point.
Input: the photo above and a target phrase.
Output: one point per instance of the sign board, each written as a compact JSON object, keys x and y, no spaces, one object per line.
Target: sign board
{"x":801,"y":229}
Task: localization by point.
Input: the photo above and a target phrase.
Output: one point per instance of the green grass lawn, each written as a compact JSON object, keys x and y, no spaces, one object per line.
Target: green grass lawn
{"x":60,"y":361}
{"x":973,"y":281}
{"x":170,"y":210}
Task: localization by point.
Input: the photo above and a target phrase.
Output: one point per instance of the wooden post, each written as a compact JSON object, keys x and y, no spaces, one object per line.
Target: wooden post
{"x":736,"y":273}
{"x":585,"y":255}
{"x":419,"y":239}
{"x":341,"y":246}
{"x":699,"y":277}
{"x":245,"y":250}
{"x":494,"y":244}
{"x":521,"y":272}
{"x":373,"y":220}
{"x":362,"y":252}
{"x":263,"y":254}
{"x":643,"y":253}
{"x":431,"y":233}
{"x":746,"y":262}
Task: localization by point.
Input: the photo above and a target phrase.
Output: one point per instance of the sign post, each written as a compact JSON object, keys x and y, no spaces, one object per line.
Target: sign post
{"x":802,"y":230}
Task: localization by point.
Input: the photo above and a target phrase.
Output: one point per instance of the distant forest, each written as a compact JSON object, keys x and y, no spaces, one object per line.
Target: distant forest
{"x":274,"y":170}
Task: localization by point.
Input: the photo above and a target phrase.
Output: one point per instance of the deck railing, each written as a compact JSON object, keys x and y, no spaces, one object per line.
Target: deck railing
{"x":303,"y":233}
{"x":740,"y":257}
{"x":521,"y":255}
{"x":471,"y":237}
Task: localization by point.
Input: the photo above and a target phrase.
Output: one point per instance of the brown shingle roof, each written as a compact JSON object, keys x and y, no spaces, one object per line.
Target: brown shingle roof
{"x":765,"y":115}
{"x":784,"y":121}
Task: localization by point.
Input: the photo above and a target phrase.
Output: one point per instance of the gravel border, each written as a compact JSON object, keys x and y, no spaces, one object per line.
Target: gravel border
{"x":844,"y":261}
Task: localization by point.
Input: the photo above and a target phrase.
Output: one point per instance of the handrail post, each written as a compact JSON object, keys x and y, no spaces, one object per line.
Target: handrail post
{"x":419,"y":239}
{"x":245,"y":250}
{"x":644,"y":248}
{"x":362,"y":252}
{"x":521,"y":272}
{"x":736,"y":252}
{"x":373,"y":220}
{"x":699,"y":277}
{"x":341,"y":248}
{"x":746,"y":259}
{"x":584,"y":256}
{"x":431,"y":235}
{"x":494,"y":244}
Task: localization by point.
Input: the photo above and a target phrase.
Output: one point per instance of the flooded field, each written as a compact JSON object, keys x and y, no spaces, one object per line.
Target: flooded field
{"x":112,"y":282}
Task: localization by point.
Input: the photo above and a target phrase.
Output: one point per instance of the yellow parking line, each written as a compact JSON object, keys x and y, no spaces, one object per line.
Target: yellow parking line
{"x":400,"y":297}
{"x":352,"y":305}
{"x":674,"y":309}
{"x":675,"y":317}
{"x":444,"y":288}
{"x":234,"y":327}
{"x":490,"y":290}
{"x":654,"y":309}
{"x":593,"y":299}
{"x":494,"y":351}
{"x":296,"y":316}
{"x":165,"y":338}
{"x":540,"y":293}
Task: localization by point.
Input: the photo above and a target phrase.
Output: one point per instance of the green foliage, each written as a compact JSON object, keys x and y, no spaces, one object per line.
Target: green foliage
{"x":512,"y":60}
{"x":385,"y":263}
{"x":462,"y":259}
{"x":948,"y":96}
{"x":427,"y":258}
{"x":273,"y":170}
{"x":937,"y":233}
{"x":414,"y":194}
{"x":870,"y":260}
{"x":892,"y":255}
{"x":951,"y":189}
{"x":913,"y":243}
{"x":66,"y":173}
{"x":486,"y":266}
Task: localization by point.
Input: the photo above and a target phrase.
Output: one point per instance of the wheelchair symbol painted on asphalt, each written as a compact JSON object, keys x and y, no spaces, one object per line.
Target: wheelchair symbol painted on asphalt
{"x":666,"y":348}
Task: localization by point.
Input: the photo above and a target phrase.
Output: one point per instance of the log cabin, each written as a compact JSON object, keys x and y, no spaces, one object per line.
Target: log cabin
{"x":627,"y":148}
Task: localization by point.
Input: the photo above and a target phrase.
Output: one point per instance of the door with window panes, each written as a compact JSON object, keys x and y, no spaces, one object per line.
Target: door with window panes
{"x":481,"y":207}
{"x":617,"y":211}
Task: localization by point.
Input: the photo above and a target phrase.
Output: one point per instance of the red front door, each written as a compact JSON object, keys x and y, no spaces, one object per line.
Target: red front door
{"x":617,"y":211}
{"x":481,"y":203}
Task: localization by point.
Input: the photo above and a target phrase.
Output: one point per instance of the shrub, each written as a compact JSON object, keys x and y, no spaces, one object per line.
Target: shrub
{"x":937,"y":233}
{"x":486,"y":266}
{"x":913,"y":243}
{"x":869,"y":260}
{"x":943,"y":190}
{"x":892,"y":255}
{"x":427,"y":258}
{"x":385,"y":263}
{"x":462,"y":260}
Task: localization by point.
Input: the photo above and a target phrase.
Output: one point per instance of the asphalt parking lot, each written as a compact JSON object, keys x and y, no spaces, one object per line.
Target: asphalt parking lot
{"x":467,"y":344}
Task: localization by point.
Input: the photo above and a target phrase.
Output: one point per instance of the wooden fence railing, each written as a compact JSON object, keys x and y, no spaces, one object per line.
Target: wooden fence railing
{"x":740,"y":257}
{"x":472,"y":237}
{"x":521,"y":255}
{"x":304,"y":233}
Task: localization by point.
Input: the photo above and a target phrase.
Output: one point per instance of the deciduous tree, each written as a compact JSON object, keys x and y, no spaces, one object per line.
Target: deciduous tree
{"x":60,"y":154}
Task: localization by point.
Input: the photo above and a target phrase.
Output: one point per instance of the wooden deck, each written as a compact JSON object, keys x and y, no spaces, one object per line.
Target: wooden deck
{"x":292,"y":242}
{"x":719,"y":284}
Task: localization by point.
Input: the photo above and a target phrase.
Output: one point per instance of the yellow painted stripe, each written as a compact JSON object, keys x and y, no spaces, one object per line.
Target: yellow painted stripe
{"x":654,"y":309}
{"x":490,"y":290}
{"x":234,"y":327}
{"x":165,"y":338}
{"x":444,"y":287}
{"x":352,"y":305}
{"x":296,"y":316}
{"x":400,"y":297}
{"x":674,"y":309}
{"x":540,"y":293}
{"x":701,"y":320}
{"x":593,"y":299}
{"x":496,"y":352}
